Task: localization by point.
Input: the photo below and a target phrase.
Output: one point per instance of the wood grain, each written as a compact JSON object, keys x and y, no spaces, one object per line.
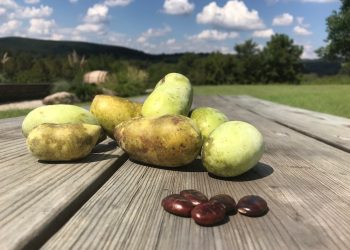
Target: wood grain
{"x":330,"y":129}
{"x":305,"y":182}
{"x":37,"y":198}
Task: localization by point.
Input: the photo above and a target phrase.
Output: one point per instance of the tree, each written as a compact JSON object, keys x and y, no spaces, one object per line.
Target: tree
{"x":249,"y":62}
{"x":282,"y":60}
{"x":338,"y":28}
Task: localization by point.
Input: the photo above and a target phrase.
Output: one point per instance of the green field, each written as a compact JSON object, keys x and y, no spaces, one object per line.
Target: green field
{"x":333,"y":99}
{"x":13,"y":113}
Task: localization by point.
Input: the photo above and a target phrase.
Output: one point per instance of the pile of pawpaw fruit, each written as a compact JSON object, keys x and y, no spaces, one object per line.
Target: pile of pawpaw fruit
{"x":162,"y":131}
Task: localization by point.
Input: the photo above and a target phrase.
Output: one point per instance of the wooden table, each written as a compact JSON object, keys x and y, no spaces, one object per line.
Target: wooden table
{"x":109,"y":202}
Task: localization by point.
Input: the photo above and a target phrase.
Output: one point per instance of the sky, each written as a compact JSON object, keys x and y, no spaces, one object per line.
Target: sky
{"x":170,"y":26}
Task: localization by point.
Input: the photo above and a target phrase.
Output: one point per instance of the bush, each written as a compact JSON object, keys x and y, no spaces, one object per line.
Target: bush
{"x":127,"y":81}
{"x":2,"y":78}
{"x":85,"y":92}
{"x":60,"y":86}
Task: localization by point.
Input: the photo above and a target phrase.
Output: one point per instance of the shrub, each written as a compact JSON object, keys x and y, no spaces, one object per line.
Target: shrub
{"x":127,"y":81}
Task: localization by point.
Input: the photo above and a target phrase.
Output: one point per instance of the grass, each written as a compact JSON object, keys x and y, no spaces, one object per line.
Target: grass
{"x":21,"y":112}
{"x":327,"y":80}
{"x":327,"y":98}
{"x":13,"y":113}
{"x":332,"y":99}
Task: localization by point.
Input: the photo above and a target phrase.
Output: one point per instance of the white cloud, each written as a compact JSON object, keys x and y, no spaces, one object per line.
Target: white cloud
{"x":308,"y":52}
{"x":8,"y":3}
{"x":214,"y":35}
{"x":171,"y":41}
{"x":153,"y":33}
{"x":41,"y":26}
{"x":118,"y":39}
{"x":2,"y":11}
{"x":283,"y":20}
{"x":96,"y":14}
{"x":10,"y":26}
{"x":32,"y":1}
{"x":234,"y":15}
{"x":90,"y":27}
{"x":225,"y":50}
{"x":302,"y":31}
{"x":177,"y":7}
{"x":32,"y":12}
{"x":261,"y":47}
{"x":57,"y":37}
{"x":117,"y":2}
{"x":263,"y":33}
{"x":73,"y":1}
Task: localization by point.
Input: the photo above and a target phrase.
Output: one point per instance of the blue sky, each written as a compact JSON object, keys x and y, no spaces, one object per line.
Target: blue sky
{"x":169,"y":26}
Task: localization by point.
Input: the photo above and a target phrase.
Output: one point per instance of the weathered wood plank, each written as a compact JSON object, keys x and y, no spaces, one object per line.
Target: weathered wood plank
{"x":37,"y":198}
{"x":331,"y":129}
{"x":305,"y":182}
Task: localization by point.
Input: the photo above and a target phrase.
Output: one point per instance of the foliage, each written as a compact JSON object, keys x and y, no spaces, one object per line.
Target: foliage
{"x":321,"y":67}
{"x":60,"y":86}
{"x":2,"y":78}
{"x":127,"y":80}
{"x":330,"y":98}
{"x":281,"y":60}
{"x":250,"y":62}
{"x":312,"y":79}
{"x":338,"y":28}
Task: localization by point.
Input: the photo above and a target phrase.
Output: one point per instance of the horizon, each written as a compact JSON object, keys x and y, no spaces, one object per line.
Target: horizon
{"x":169,"y":26}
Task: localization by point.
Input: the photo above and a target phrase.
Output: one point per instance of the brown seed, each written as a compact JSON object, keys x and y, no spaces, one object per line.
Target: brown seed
{"x":252,"y":205}
{"x":226,"y":200}
{"x":177,"y":204}
{"x":209,"y":213}
{"x":194,"y":196}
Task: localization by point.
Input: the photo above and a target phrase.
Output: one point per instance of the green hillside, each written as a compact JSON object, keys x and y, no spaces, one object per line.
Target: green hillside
{"x":37,"y":47}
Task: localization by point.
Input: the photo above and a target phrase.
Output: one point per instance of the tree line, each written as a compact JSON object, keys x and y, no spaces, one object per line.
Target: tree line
{"x":278,"y":61}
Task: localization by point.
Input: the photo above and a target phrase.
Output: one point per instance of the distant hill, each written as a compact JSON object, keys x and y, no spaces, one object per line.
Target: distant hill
{"x":51,"y":48}
{"x":47,"y":48}
{"x":321,"y":67}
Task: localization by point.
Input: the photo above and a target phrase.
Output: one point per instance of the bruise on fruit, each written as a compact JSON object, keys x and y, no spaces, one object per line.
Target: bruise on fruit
{"x":176,"y":120}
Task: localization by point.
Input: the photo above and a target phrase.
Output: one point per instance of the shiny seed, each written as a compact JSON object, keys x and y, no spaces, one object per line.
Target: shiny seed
{"x":226,"y":200}
{"x":177,"y":204}
{"x":252,"y":205}
{"x":209,"y":213}
{"x":194,"y":196}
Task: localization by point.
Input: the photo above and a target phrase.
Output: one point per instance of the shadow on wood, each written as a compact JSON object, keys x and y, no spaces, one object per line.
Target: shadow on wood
{"x":105,"y":147}
{"x":260,"y":171}
{"x":195,"y":166}
{"x":93,"y":157}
